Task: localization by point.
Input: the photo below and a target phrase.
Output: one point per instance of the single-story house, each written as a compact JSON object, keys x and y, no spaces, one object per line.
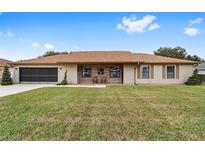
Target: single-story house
{"x":4,"y":62}
{"x":111,"y":67}
{"x":201,"y":68}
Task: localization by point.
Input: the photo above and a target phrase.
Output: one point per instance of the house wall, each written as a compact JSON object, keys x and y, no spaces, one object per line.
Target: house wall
{"x":185,"y":71}
{"x":128,"y":73}
{"x":71,"y":72}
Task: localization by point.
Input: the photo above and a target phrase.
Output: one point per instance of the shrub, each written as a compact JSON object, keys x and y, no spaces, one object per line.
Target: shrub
{"x":194,"y":79}
{"x":64,"y":82}
{"x":6,"y":78}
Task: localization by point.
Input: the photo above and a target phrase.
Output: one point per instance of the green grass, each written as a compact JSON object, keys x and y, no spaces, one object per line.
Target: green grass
{"x":141,"y":112}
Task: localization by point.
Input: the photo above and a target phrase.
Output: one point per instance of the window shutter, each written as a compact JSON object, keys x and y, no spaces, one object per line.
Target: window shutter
{"x":152,"y":71}
{"x":177,"y":71}
{"x":138,"y":71}
{"x":163,"y":71}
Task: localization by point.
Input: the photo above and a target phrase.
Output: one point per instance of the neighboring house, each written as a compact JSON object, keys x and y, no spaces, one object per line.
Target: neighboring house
{"x":113,"y":67}
{"x":4,"y":62}
{"x":201,"y":68}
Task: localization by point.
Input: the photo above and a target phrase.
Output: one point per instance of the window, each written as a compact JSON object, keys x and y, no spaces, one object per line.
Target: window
{"x":86,"y":72}
{"x":115,"y":72}
{"x":170,"y":72}
{"x":145,"y":72}
{"x":100,"y":71}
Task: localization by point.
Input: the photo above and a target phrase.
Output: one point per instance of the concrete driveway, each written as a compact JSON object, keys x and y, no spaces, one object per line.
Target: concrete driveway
{"x":18,"y":88}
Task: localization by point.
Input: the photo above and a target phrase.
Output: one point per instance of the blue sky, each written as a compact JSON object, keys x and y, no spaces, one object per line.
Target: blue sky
{"x":28,"y":35}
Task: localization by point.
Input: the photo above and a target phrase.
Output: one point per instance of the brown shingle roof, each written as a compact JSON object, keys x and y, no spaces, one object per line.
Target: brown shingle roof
{"x":4,"y":62}
{"x":102,"y":57}
{"x":148,"y":58}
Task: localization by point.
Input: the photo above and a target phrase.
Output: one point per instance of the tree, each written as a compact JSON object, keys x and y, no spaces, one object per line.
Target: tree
{"x":6,"y":78}
{"x":52,"y":53}
{"x":194,"y":58}
{"x":194,"y":79}
{"x":177,"y":52}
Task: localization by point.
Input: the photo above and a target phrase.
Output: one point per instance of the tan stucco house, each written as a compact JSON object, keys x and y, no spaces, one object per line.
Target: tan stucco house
{"x":110,"y":67}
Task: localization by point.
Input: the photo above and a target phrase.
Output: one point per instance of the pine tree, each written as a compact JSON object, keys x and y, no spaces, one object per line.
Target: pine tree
{"x":194,"y":79}
{"x":6,"y":78}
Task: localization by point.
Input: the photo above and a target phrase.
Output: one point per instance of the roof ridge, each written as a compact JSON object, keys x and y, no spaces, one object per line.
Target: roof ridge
{"x":164,"y":56}
{"x":103,"y":57}
{"x":41,"y":57}
{"x":4,"y":59}
{"x":101,"y":51}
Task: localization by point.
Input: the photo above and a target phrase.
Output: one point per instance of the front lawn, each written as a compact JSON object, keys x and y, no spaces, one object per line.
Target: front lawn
{"x":141,"y":112}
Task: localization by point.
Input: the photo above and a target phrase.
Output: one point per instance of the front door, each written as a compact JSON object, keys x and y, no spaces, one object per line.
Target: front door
{"x":100,"y":74}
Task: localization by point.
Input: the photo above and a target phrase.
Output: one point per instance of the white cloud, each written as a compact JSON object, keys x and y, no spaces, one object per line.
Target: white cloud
{"x":10,"y":34}
{"x":196,"y":21}
{"x":191,"y":31}
{"x":48,"y":46}
{"x":131,"y":25}
{"x":35,"y":45}
{"x":25,"y":41}
{"x":154,"y":27}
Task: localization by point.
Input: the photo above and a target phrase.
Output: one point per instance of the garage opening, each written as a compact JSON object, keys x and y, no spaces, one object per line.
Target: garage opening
{"x":29,"y":74}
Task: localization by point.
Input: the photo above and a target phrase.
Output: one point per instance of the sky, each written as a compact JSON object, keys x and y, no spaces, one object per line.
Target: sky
{"x":28,"y":35}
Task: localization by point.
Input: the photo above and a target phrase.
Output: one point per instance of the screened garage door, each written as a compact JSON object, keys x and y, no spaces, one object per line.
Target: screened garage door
{"x":38,"y":74}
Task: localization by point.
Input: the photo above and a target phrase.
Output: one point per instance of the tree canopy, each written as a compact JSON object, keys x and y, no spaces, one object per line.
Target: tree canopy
{"x":177,"y":52}
{"x":194,"y":58}
{"x":51,"y":53}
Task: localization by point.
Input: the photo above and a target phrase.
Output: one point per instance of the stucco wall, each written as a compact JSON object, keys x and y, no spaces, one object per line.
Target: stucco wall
{"x":128,"y":73}
{"x":185,"y":71}
{"x":71,"y":72}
